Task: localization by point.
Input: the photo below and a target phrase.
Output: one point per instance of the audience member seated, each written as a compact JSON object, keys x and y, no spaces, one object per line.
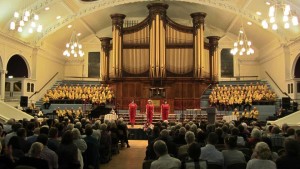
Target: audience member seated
{"x":68,"y":153}
{"x":210,"y":153}
{"x":194,"y":162}
{"x":263,"y":154}
{"x":179,"y":139}
{"x":231,"y":154}
{"x":164,"y":160}
{"x":277,"y":139}
{"x":291,"y":158}
{"x":91,"y":156}
{"x":255,"y":138}
{"x":240,"y":140}
{"x":48,"y":154}
{"x":34,"y":159}
{"x":105,"y":145}
{"x":183,"y":150}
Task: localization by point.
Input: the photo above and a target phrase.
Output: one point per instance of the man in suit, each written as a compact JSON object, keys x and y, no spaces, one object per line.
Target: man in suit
{"x":164,"y":161}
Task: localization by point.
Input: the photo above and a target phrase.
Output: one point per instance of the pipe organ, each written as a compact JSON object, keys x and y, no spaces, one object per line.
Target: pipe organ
{"x":158,"y":47}
{"x":158,"y":53}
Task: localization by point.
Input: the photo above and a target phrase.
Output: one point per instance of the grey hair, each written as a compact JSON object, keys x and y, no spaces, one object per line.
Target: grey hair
{"x":263,"y":151}
{"x":256,"y":133}
{"x":103,"y":126}
{"x":189,"y":137}
{"x":36,"y":149}
{"x":160,"y":148}
{"x":182,"y":130}
{"x":76,"y":133}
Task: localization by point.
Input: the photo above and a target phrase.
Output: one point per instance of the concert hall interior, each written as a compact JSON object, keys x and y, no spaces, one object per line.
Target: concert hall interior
{"x":125,"y":69}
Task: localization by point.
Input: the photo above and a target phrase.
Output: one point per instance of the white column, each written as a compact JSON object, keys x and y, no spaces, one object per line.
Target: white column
{"x":2,"y":74}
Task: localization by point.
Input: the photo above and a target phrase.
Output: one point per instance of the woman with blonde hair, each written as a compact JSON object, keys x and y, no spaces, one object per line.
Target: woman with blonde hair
{"x":263,"y":154}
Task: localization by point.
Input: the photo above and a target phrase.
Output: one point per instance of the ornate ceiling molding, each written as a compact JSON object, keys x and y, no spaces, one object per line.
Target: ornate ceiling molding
{"x":226,"y":5}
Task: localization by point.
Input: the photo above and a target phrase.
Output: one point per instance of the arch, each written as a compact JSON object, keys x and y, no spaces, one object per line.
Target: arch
{"x":296,"y":67}
{"x":17,"y":61}
{"x":224,"y":5}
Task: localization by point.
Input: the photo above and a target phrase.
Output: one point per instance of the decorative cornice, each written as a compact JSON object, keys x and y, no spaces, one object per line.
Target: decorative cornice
{"x":198,"y":19}
{"x":105,"y":44}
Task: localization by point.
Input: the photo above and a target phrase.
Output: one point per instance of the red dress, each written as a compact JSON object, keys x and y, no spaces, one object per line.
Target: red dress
{"x":165,"y":108}
{"x":132,"y":112}
{"x":149,"y":110}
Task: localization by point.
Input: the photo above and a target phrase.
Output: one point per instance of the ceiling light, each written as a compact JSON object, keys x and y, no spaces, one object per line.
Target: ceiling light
{"x":27,"y":19}
{"x":280,"y":13}
{"x":268,"y":3}
{"x":242,"y":45}
{"x":73,"y":47}
{"x":78,"y":34}
{"x":58,"y":17}
{"x":69,"y":26}
{"x":47,"y":8}
{"x":249,"y":23}
{"x":258,"y":13}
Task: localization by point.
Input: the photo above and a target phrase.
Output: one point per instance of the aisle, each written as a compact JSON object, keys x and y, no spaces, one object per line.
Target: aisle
{"x":129,"y":158}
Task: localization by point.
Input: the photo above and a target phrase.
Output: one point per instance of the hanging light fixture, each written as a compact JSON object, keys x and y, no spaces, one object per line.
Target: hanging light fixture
{"x":242,"y":45}
{"x":26,"y":19}
{"x":280,"y":13}
{"x":73,"y":47}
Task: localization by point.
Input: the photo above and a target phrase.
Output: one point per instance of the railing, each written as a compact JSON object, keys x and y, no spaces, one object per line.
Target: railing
{"x":81,"y":78}
{"x":275,"y":83}
{"x":44,"y":85}
{"x":241,"y":78}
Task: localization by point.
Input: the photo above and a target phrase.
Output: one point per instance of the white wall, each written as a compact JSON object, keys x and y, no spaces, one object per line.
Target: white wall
{"x":43,"y":62}
{"x":77,"y":67}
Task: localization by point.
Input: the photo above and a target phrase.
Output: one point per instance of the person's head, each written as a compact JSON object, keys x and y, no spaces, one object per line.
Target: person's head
{"x":194,"y":151}
{"x":36,"y":149}
{"x":67,"y":138}
{"x":165,"y":101}
{"x":182,"y":131}
{"x":44,"y":130}
{"x":76,"y":133}
{"x":149,"y":101}
{"x":275,"y":130}
{"x":21,"y":133}
{"x":235,"y":109}
{"x":53,"y":132}
{"x":235,"y":131}
{"x":164,"y":133}
{"x":290,"y":132}
{"x":189,"y":137}
{"x":263,"y":151}
{"x":292,"y":147}
{"x":88,"y":130}
{"x":212,"y":138}
{"x":160,"y":148}
{"x":42,"y":138}
{"x":230,"y":142}
{"x":256,"y":134}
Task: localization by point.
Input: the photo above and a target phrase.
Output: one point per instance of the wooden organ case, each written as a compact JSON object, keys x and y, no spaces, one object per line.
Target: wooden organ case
{"x":159,"y":59}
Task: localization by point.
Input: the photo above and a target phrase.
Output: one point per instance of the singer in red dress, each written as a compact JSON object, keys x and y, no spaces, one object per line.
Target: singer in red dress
{"x":165,"y":109}
{"x":132,"y":112}
{"x":149,"y":111}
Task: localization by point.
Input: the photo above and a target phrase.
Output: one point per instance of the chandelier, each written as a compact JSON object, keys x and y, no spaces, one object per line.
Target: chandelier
{"x":280,"y":13}
{"x":242,"y":45}
{"x":73,"y":47}
{"x":26,"y":19}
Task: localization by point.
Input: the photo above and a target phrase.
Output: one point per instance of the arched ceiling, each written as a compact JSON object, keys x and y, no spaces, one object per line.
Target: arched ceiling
{"x":91,"y":19}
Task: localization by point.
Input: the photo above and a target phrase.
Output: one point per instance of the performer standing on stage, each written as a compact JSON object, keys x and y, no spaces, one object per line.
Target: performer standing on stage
{"x":132,"y":112}
{"x":165,"y":110}
{"x":149,"y":111}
